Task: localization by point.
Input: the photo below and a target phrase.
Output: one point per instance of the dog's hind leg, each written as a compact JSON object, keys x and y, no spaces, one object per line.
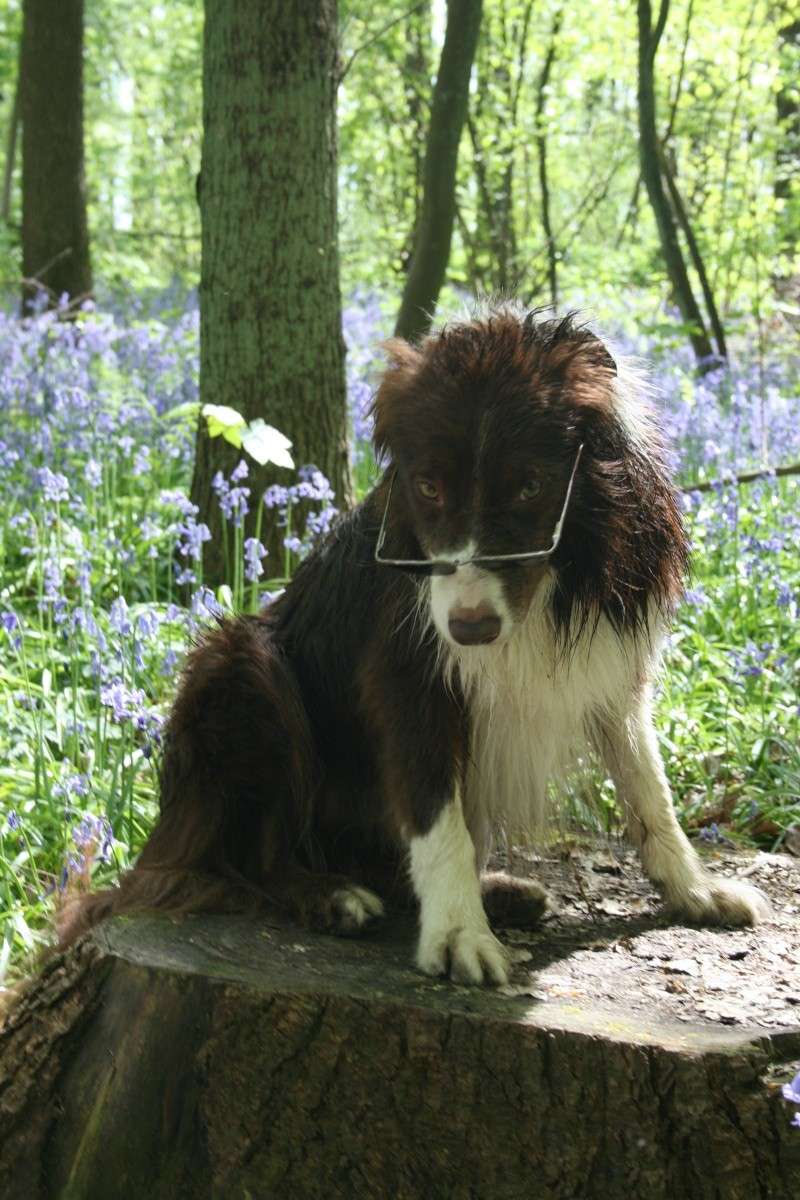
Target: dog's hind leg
{"x":327,"y":903}
{"x":513,"y":902}
{"x":630,"y":751}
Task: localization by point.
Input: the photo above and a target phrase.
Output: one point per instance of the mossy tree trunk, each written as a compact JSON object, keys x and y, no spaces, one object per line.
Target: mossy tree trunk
{"x":55,"y":230}
{"x":271,"y":342}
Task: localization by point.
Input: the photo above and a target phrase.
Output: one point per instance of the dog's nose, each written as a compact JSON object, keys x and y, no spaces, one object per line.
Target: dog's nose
{"x":474,"y":626}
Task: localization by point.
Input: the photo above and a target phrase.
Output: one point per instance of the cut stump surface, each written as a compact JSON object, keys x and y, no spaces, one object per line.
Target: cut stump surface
{"x":231,"y":1057}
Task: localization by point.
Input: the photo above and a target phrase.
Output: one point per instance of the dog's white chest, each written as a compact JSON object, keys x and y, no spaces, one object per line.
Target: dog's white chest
{"x":529,"y":703}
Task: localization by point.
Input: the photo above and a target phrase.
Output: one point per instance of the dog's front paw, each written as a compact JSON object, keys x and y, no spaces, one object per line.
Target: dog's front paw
{"x":467,"y":955}
{"x":712,"y":901}
{"x":353,"y":908}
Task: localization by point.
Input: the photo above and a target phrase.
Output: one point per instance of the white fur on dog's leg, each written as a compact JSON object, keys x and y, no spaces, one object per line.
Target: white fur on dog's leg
{"x":633,"y":759}
{"x":355,"y":908}
{"x":455,"y":937}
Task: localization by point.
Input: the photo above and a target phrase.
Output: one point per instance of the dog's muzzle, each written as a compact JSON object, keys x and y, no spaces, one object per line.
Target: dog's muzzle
{"x":474,"y":626}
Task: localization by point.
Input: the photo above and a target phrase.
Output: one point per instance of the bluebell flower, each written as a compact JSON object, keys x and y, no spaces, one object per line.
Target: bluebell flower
{"x":791,"y":1091}
{"x":254,"y":552}
{"x":118,"y":616}
{"x":205,"y":604}
{"x":54,"y":486}
{"x":93,"y":473}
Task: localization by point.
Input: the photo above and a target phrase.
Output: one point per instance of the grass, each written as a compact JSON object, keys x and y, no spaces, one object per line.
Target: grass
{"x":101,"y":591}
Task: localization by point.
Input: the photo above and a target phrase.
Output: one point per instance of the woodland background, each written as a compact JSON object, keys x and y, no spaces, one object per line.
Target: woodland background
{"x":640,"y":164}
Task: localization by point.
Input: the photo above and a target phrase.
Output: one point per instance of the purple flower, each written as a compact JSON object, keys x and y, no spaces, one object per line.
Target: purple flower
{"x":147,"y":624}
{"x":276,"y":496}
{"x":239,"y":472}
{"x":9,"y":620}
{"x":118,"y":617}
{"x":205,"y":604}
{"x":293,"y":544}
{"x":93,"y":835}
{"x":54,"y":486}
{"x":13,"y":823}
{"x":254,"y":552}
{"x":791,"y":1091}
{"x":179,"y":500}
{"x":169,"y":663}
{"x":93,"y":473}
{"x":695,"y":596}
{"x":126,"y":703}
{"x":191,"y":538}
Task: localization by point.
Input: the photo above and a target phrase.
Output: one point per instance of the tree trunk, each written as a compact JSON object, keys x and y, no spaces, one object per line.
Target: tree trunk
{"x":271,"y":342}
{"x":541,"y":148}
{"x":448,"y":114}
{"x":55,"y":231}
{"x":682,"y":217}
{"x":11,"y":154}
{"x":651,"y":173}
{"x":224,"y":1057}
{"x":787,"y":173}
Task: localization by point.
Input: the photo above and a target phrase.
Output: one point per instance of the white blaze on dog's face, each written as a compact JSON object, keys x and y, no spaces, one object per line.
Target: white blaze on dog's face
{"x":469,"y":607}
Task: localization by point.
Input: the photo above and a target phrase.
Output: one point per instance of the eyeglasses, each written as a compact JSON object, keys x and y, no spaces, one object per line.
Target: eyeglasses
{"x":441,"y":566}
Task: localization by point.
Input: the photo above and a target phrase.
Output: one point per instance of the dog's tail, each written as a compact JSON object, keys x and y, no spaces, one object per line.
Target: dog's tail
{"x":236,"y":785}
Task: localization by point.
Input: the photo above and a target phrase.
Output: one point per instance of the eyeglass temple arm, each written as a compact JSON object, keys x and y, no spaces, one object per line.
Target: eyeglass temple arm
{"x":562,"y":518}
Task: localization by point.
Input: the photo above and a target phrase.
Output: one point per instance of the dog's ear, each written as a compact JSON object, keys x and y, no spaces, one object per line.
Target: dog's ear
{"x":574,"y":358}
{"x":404,"y":361}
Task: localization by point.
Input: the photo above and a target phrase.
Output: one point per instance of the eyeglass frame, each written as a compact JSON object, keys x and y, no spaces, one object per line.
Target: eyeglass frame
{"x":441,"y":566}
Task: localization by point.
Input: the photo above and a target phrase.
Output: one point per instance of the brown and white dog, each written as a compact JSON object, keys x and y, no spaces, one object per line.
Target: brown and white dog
{"x":488,"y":616}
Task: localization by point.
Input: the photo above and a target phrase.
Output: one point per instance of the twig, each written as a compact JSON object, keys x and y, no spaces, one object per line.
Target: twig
{"x":744,"y":477}
{"x":154,"y":233}
{"x":377,"y":36}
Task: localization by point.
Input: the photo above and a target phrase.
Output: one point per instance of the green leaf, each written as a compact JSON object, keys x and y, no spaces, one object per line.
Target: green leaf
{"x":225,"y":421}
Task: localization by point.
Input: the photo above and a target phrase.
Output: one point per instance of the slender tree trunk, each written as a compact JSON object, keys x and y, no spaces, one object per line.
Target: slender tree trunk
{"x":651,"y":173}
{"x":271,"y":341}
{"x":448,"y":113}
{"x":541,"y":148}
{"x":682,"y":217}
{"x":416,"y":83}
{"x":787,"y":174}
{"x":11,"y":154}
{"x":55,"y":231}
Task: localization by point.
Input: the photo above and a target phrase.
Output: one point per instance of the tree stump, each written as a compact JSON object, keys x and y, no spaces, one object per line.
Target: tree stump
{"x":232,"y":1057}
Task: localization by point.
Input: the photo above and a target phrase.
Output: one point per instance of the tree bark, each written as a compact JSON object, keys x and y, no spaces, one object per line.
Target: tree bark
{"x":11,"y":154}
{"x":787,"y":163}
{"x":55,"y":230}
{"x":651,"y":173}
{"x":682,"y":217}
{"x":448,"y":114}
{"x":541,"y":147}
{"x":271,"y":342}
{"x":222,"y":1057}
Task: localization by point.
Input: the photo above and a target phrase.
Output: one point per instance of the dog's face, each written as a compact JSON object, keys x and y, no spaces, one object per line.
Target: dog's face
{"x":483,"y":423}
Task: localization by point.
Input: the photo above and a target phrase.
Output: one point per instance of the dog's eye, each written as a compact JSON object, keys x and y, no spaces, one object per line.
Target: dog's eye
{"x":427,"y":489}
{"x":531,"y":490}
